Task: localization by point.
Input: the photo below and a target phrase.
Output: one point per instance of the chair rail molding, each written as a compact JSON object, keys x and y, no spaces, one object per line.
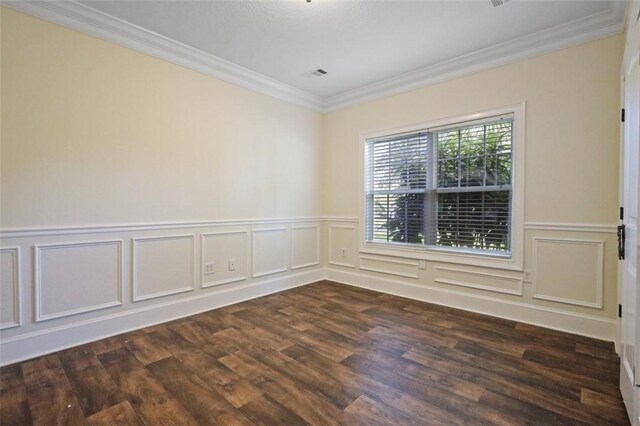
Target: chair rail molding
{"x":26,"y":232}
{"x":571,"y":227}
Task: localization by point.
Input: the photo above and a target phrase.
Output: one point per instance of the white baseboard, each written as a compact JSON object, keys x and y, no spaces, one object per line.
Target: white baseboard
{"x":570,"y":322}
{"x":42,"y":342}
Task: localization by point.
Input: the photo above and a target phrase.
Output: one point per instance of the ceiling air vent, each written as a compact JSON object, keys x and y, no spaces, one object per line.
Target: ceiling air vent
{"x":319,"y":72}
{"x":497,"y":3}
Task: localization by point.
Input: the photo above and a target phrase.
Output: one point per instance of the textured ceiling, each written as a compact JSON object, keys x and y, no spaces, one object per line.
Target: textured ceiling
{"x":357,"y":42}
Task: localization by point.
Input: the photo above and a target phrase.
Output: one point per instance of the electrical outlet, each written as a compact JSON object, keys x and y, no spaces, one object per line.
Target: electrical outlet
{"x":209,"y":268}
{"x":343,"y":252}
{"x":422,"y":265}
{"x":232,"y":264}
{"x":527,"y":276}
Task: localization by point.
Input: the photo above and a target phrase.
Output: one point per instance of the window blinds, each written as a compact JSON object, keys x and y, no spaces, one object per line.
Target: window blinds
{"x":447,"y":187}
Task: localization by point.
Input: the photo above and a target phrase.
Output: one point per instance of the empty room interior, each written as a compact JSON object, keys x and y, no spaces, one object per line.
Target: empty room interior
{"x":319,"y":212}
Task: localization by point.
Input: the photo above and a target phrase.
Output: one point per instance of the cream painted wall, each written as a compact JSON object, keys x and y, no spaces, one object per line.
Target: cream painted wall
{"x":571,"y":189}
{"x":94,"y":133}
{"x":572,"y":105}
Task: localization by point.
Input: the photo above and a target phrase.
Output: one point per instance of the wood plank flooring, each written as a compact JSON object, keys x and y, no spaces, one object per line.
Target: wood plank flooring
{"x":323,"y":354}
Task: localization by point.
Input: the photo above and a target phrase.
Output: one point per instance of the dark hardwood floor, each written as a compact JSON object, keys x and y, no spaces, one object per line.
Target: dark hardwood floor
{"x":323,"y":354}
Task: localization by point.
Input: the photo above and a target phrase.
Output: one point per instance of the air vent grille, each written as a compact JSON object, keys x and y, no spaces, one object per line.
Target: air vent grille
{"x":319,"y":72}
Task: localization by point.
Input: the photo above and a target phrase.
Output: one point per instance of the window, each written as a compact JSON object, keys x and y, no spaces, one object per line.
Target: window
{"x":446,"y":188}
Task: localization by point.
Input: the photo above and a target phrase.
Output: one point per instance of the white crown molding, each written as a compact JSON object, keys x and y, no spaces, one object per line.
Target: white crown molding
{"x":104,"y":26}
{"x":576,"y":32}
{"x":107,"y":27}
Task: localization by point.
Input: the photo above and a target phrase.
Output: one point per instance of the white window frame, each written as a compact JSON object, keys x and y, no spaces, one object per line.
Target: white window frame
{"x":512,"y":261}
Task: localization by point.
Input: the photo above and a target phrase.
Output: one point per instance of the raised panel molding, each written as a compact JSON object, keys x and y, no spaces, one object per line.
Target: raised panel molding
{"x":351,"y":242}
{"x":410,"y":269}
{"x":203,"y":258}
{"x":65,"y":268}
{"x":266,"y":255}
{"x":166,"y":265}
{"x":597,"y":262}
{"x":516,"y":288}
{"x":294,"y":250}
{"x":14,"y":285}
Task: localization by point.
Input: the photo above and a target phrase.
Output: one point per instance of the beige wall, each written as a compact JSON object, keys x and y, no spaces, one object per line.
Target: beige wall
{"x":94,"y":133}
{"x":571,"y":187}
{"x":572,"y":105}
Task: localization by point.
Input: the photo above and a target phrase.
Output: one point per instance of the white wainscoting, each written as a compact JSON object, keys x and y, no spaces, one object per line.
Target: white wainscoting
{"x":224,"y":249}
{"x":162,"y":265}
{"x":577,"y":323}
{"x":270,"y":253}
{"x":342,"y":245}
{"x":9,"y":287}
{"x":40,"y":342}
{"x":566,"y":270}
{"x":387,"y":265}
{"x":74,"y":278}
{"x":495,"y":282}
{"x":140,"y":259}
{"x":552,"y":299}
{"x":134,"y":275}
{"x":305,"y":246}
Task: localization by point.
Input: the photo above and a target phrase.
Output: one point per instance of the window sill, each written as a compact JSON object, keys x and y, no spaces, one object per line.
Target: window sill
{"x":496,"y":261}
